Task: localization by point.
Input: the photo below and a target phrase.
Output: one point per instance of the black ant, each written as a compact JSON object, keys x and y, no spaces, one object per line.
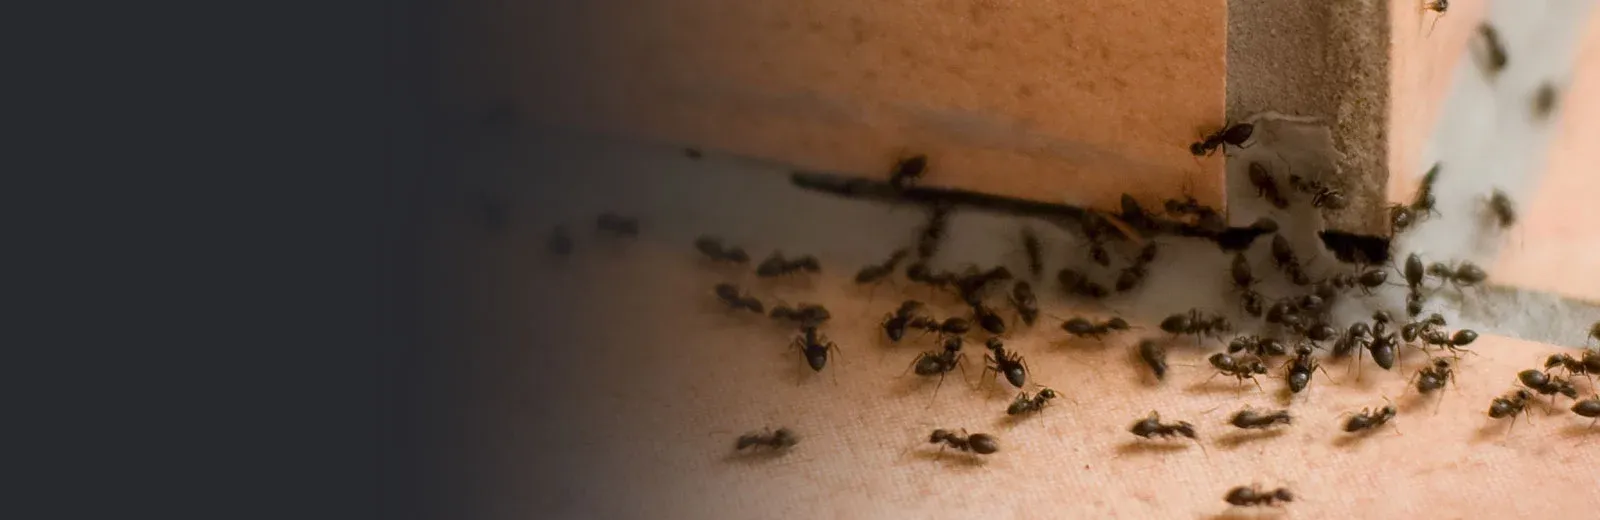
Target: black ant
{"x":1026,"y":303}
{"x":1249,"y":418}
{"x":1197,"y":323}
{"x":894,"y":325}
{"x":1414,"y":271}
{"x":1510,"y":405}
{"x":1496,"y":51}
{"x":1257,"y":346}
{"x":1251,"y":301}
{"x":1358,"y":336}
{"x":713,"y":249}
{"x":1588,"y":364}
{"x":1413,"y":303}
{"x":1084,"y":328}
{"x":1151,"y":427}
{"x":617,"y":224}
{"x":776,"y":265}
{"x":1287,"y":261}
{"x":1155,"y":356}
{"x":1402,"y":217}
{"x":1266,"y":188}
{"x":972,"y":285}
{"x":1242,"y":277}
{"x":1243,"y":496}
{"x":932,"y":234}
{"x":1366,"y":280}
{"x":806,"y":314}
{"x":1369,"y":420}
{"x":988,"y":319}
{"x":979,"y":443}
{"x":920,"y":272}
{"x":560,"y":241}
{"x":1435,"y":376}
{"x":778,"y":440}
{"x":1412,"y":331}
{"x":1024,"y":404}
{"x":1500,"y":206}
{"x":1594,"y":332}
{"x":1467,"y":274}
{"x":1452,"y":342}
{"x":1009,"y":364}
{"x":1300,"y":368}
{"x":1322,"y":195}
{"x":1547,"y":384}
{"x":1235,"y":135}
{"x":1031,"y":246}
{"x":1132,"y":275}
{"x":1438,"y":6}
{"x":1077,"y":283}
{"x":1588,"y":408}
{"x":1383,"y":350}
{"x":951,"y":326}
{"x":731,"y":295}
{"x":873,"y":273}
{"x":907,"y":171}
{"x":1241,"y":367}
{"x":1544,"y":100}
{"x":815,"y":347}
{"x":1134,"y":214}
{"x":941,"y":363}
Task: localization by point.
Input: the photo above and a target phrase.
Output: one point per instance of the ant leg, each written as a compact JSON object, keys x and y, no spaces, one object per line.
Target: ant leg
{"x":1258,"y":385}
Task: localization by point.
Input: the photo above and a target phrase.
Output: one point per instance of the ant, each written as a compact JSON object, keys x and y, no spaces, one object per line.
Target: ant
{"x":1401,"y":217}
{"x":1151,"y":427}
{"x":932,"y":234}
{"x":1252,"y":301}
{"x":1235,"y":135}
{"x":988,"y":319}
{"x":1155,"y":356}
{"x":971,"y":285}
{"x":776,"y":265}
{"x":1266,"y":188}
{"x":1008,"y":363}
{"x":1134,"y":214}
{"x":1510,"y":405}
{"x":1287,"y":261}
{"x":560,"y":242}
{"x":1438,"y":6}
{"x":920,"y":272}
{"x":1383,"y":350}
{"x":1023,"y":299}
{"x":952,"y":326}
{"x":979,"y":443}
{"x":617,"y":224}
{"x":1322,"y":195}
{"x":1367,"y":280}
{"x":713,"y":249}
{"x":1496,"y":51}
{"x":1434,"y":377}
{"x":1594,"y":332}
{"x":1243,"y":496}
{"x":1079,"y":284}
{"x":731,"y":295}
{"x":1132,"y":275}
{"x":873,"y":273}
{"x":1024,"y":404}
{"x":814,"y":346}
{"x":1544,"y":100}
{"x":1197,"y":323}
{"x":1588,"y":364}
{"x":778,"y":440}
{"x":1031,"y":245}
{"x":1414,"y":271}
{"x":941,"y":363}
{"x":1241,"y":367}
{"x":1242,"y":277}
{"x":1501,"y":208}
{"x":1095,"y":229}
{"x":1411,"y":331}
{"x":894,"y":325}
{"x":1084,"y":328}
{"x":1257,"y":346}
{"x":806,"y":314}
{"x":1370,"y":420}
{"x":1413,"y":303}
{"x":1300,"y":368}
{"x":1547,"y":384}
{"x":1358,"y":336}
{"x":1467,"y":274}
{"x":1251,"y":419}
{"x":1588,"y":408}
{"x":1452,"y":342}
{"x":908,"y":170}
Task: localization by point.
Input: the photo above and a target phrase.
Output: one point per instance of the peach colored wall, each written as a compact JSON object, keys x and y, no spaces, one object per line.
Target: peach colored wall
{"x":1066,"y":101}
{"x":1422,"y":65}
{"x":1556,"y":245}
